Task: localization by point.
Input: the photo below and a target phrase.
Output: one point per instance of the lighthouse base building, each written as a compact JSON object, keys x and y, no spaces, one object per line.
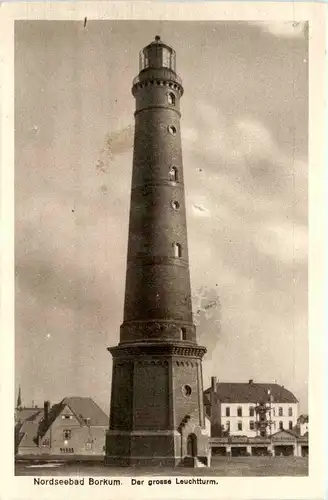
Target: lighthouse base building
{"x":157,"y":414}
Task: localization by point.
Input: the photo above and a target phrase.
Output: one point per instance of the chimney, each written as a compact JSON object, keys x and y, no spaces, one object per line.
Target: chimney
{"x":46,"y":408}
{"x":251,"y":381}
{"x":213,"y":383}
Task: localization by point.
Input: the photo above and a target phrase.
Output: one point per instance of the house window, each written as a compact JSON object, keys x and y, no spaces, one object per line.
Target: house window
{"x":281,"y":425}
{"x":88,"y":446}
{"x":66,"y":417}
{"x":252,"y":425}
{"x":173,"y":174}
{"x":175,"y":205}
{"x":273,"y":412}
{"x":240,"y":426}
{"x":290,"y":424}
{"x":172,"y":129}
{"x":227,"y":411}
{"x":280,"y":411}
{"x":46,"y":442}
{"x":228,"y":425}
{"x":290,"y":412}
{"x":67,"y":450}
{"x":67,"y":434}
{"x":171,"y":98}
{"x":239,"y":411}
{"x":183,"y":333}
{"x":251,"y":411}
{"x":177,"y":249}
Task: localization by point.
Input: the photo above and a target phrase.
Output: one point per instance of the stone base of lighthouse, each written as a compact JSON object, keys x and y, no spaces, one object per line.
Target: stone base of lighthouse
{"x":157,"y":414}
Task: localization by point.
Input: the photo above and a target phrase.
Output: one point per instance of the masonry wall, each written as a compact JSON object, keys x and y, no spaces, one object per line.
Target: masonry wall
{"x":151,"y":395}
{"x":185,"y":373}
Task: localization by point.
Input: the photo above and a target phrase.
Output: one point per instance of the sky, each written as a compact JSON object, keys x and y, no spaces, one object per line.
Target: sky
{"x":244,"y":138}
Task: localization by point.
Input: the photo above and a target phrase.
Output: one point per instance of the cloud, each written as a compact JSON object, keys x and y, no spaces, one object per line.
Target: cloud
{"x":287,"y":29}
{"x":283,"y":240}
{"x":199,"y":210}
{"x":119,"y":142}
{"x":245,"y":167}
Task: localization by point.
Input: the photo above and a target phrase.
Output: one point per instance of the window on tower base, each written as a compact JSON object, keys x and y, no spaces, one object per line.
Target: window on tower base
{"x":173,"y":174}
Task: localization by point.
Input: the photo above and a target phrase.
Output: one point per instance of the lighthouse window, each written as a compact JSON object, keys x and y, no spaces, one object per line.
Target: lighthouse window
{"x":186,"y":390}
{"x":177,"y":250}
{"x":175,"y":205}
{"x":171,"y":98}
{"x":173,"y":174}
{"x":172,"y":130}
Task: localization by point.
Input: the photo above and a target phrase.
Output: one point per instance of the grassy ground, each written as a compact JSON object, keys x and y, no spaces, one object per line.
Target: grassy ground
{"x":221,"y":466}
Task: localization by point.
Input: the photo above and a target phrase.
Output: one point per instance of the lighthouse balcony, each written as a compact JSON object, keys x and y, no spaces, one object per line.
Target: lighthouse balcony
{"x":158,"y":76}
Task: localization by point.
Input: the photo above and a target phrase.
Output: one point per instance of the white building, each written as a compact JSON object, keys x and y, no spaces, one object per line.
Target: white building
{"x":232,"y":408}
{"x":303,"y":424}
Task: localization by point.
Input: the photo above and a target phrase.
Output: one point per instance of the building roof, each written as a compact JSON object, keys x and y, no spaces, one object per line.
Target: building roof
{"x":85,"y":410}
{"x":28,"y":434}
{"x":27,"y":414}
{"x":251,"y":392}
{"x":206,"y":399}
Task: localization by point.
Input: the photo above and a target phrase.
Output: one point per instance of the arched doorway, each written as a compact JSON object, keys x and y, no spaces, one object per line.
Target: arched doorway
{"x":192,"y":445}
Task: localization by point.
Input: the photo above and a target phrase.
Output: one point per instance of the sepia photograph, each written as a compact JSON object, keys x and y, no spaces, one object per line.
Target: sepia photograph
{"x":161,"y":227}
{"x":161,"y":271}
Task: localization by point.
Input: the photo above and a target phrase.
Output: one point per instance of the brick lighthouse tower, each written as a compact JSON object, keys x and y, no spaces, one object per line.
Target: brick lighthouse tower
{"x":157,"y":414}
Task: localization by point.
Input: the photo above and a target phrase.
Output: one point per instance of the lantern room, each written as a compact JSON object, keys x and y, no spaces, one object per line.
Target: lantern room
{"x":157,"y":55}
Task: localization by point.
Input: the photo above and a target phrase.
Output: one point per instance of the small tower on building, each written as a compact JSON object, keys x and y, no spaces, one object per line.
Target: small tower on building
{"x":157,"y":413}
{"x":19,"y":399}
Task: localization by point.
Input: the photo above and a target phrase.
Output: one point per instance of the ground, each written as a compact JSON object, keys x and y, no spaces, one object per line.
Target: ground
{"x":221,"y":466}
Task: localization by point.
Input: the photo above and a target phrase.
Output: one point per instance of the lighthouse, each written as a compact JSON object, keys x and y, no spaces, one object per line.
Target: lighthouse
{"x":157,"y":413}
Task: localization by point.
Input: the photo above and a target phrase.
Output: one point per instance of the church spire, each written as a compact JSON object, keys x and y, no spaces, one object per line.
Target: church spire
{"x":19,"y":399}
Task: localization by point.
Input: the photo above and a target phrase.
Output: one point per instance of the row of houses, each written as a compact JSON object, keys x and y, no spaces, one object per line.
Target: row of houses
{"x":245,"y":419}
